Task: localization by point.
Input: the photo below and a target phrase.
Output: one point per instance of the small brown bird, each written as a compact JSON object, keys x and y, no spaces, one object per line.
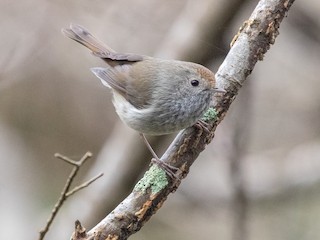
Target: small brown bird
{"x":151,"y":95}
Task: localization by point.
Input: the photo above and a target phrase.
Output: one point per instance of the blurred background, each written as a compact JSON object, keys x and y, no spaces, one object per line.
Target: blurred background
{"x":258,"y":179}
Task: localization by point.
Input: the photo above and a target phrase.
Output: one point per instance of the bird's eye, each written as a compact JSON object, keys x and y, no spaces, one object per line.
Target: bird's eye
{"x":194,"y":83}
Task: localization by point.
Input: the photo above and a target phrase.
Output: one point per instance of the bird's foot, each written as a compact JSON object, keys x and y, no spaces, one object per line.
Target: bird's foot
{"x":202,"y":125}
{"x":171,"y":171}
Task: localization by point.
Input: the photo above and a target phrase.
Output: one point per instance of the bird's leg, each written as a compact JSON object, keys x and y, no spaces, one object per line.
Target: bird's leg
{"x":149,"y":146}
{"x":170,"y":170}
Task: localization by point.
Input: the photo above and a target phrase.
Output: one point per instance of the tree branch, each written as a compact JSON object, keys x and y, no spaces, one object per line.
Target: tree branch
{"x":250,"y":44}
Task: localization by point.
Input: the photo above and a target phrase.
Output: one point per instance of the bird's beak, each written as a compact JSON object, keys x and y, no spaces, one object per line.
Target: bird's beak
{"x":219,"y":90}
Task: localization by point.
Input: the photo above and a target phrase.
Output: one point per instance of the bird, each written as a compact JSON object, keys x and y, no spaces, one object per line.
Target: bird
{"x":151,"y":95}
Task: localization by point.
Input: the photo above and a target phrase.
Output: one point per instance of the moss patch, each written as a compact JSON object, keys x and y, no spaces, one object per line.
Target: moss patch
{"x":209,"y":115}
{"x":155,"y":179}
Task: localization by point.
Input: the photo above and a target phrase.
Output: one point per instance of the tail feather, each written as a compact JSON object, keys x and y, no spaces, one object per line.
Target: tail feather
{"x":84,"y":37}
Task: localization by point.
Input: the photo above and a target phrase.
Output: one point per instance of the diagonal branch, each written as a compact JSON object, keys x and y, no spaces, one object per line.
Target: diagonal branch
{"x":250,"y":44}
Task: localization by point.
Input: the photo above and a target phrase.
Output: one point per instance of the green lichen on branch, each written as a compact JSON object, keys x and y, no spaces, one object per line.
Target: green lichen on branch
{"x":209,"y":115}
{"x":154,"y":179}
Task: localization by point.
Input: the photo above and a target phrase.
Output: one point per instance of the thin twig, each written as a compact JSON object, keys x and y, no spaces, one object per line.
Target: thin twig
{"x":65,"y":192}
{"x":86,"y":156}
{"x":66,"y":159}
{"x":83,"y":185}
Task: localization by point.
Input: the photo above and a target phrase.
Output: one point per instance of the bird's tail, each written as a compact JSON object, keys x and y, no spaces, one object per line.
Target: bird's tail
{"x":83,"y":36}
{"x":110,"y":56}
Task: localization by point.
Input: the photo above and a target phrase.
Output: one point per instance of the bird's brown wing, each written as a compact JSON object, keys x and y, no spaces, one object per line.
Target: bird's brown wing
{"x":119,"y":79}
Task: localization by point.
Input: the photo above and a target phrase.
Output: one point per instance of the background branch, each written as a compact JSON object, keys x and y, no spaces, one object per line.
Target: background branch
{"x":65,"y":192}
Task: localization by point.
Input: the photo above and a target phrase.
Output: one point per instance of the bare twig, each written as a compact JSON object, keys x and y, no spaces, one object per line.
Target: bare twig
{"x":72,"y":162}
{"x":250,"y":45}
{"x":65,"y":192}
{"x":83,"y":185}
